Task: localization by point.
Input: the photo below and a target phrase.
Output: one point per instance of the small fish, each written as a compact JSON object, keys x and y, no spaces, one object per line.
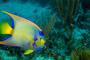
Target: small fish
{"x":24,"y":34}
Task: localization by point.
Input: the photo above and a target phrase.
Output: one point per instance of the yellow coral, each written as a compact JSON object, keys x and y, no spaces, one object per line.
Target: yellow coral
{"x":81,"y":53}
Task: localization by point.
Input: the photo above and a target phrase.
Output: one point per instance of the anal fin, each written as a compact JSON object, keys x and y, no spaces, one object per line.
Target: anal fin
{"x":1,"y":43}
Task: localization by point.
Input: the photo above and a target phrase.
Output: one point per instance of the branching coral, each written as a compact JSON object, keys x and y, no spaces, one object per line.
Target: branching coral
{"x":49,"y":25}
{"x":46,"y":23}
{"x":71,"y":13}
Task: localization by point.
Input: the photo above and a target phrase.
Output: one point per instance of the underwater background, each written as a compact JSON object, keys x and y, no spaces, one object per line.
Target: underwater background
{"x":65,"y":25}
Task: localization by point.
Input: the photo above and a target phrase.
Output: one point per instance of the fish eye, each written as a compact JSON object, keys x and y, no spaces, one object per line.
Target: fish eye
{"x":41,"y":33}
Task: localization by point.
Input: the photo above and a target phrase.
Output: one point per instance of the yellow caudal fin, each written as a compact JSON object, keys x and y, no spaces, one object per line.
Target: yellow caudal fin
{"x":5,"y":28}
{"x":28,"y":52}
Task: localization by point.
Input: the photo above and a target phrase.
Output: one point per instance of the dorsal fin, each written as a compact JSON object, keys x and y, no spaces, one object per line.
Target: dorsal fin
{"x":17,"y":19}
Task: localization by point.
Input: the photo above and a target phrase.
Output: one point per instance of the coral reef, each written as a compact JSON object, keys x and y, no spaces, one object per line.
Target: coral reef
{"x":66,"y":28}
{"x":81,"y":53}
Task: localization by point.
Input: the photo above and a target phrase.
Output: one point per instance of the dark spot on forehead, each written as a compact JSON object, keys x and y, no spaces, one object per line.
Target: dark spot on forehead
{"x":41,"y":33}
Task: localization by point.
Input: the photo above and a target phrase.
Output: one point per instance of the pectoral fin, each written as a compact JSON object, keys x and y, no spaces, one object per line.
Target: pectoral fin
{"x":28,"y":52}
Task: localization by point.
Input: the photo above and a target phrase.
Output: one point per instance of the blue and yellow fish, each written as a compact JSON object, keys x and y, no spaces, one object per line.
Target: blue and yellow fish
{"x":25,"y":34}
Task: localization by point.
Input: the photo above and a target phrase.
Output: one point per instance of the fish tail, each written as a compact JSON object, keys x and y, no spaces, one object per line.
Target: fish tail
{"x":5,"y":28}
